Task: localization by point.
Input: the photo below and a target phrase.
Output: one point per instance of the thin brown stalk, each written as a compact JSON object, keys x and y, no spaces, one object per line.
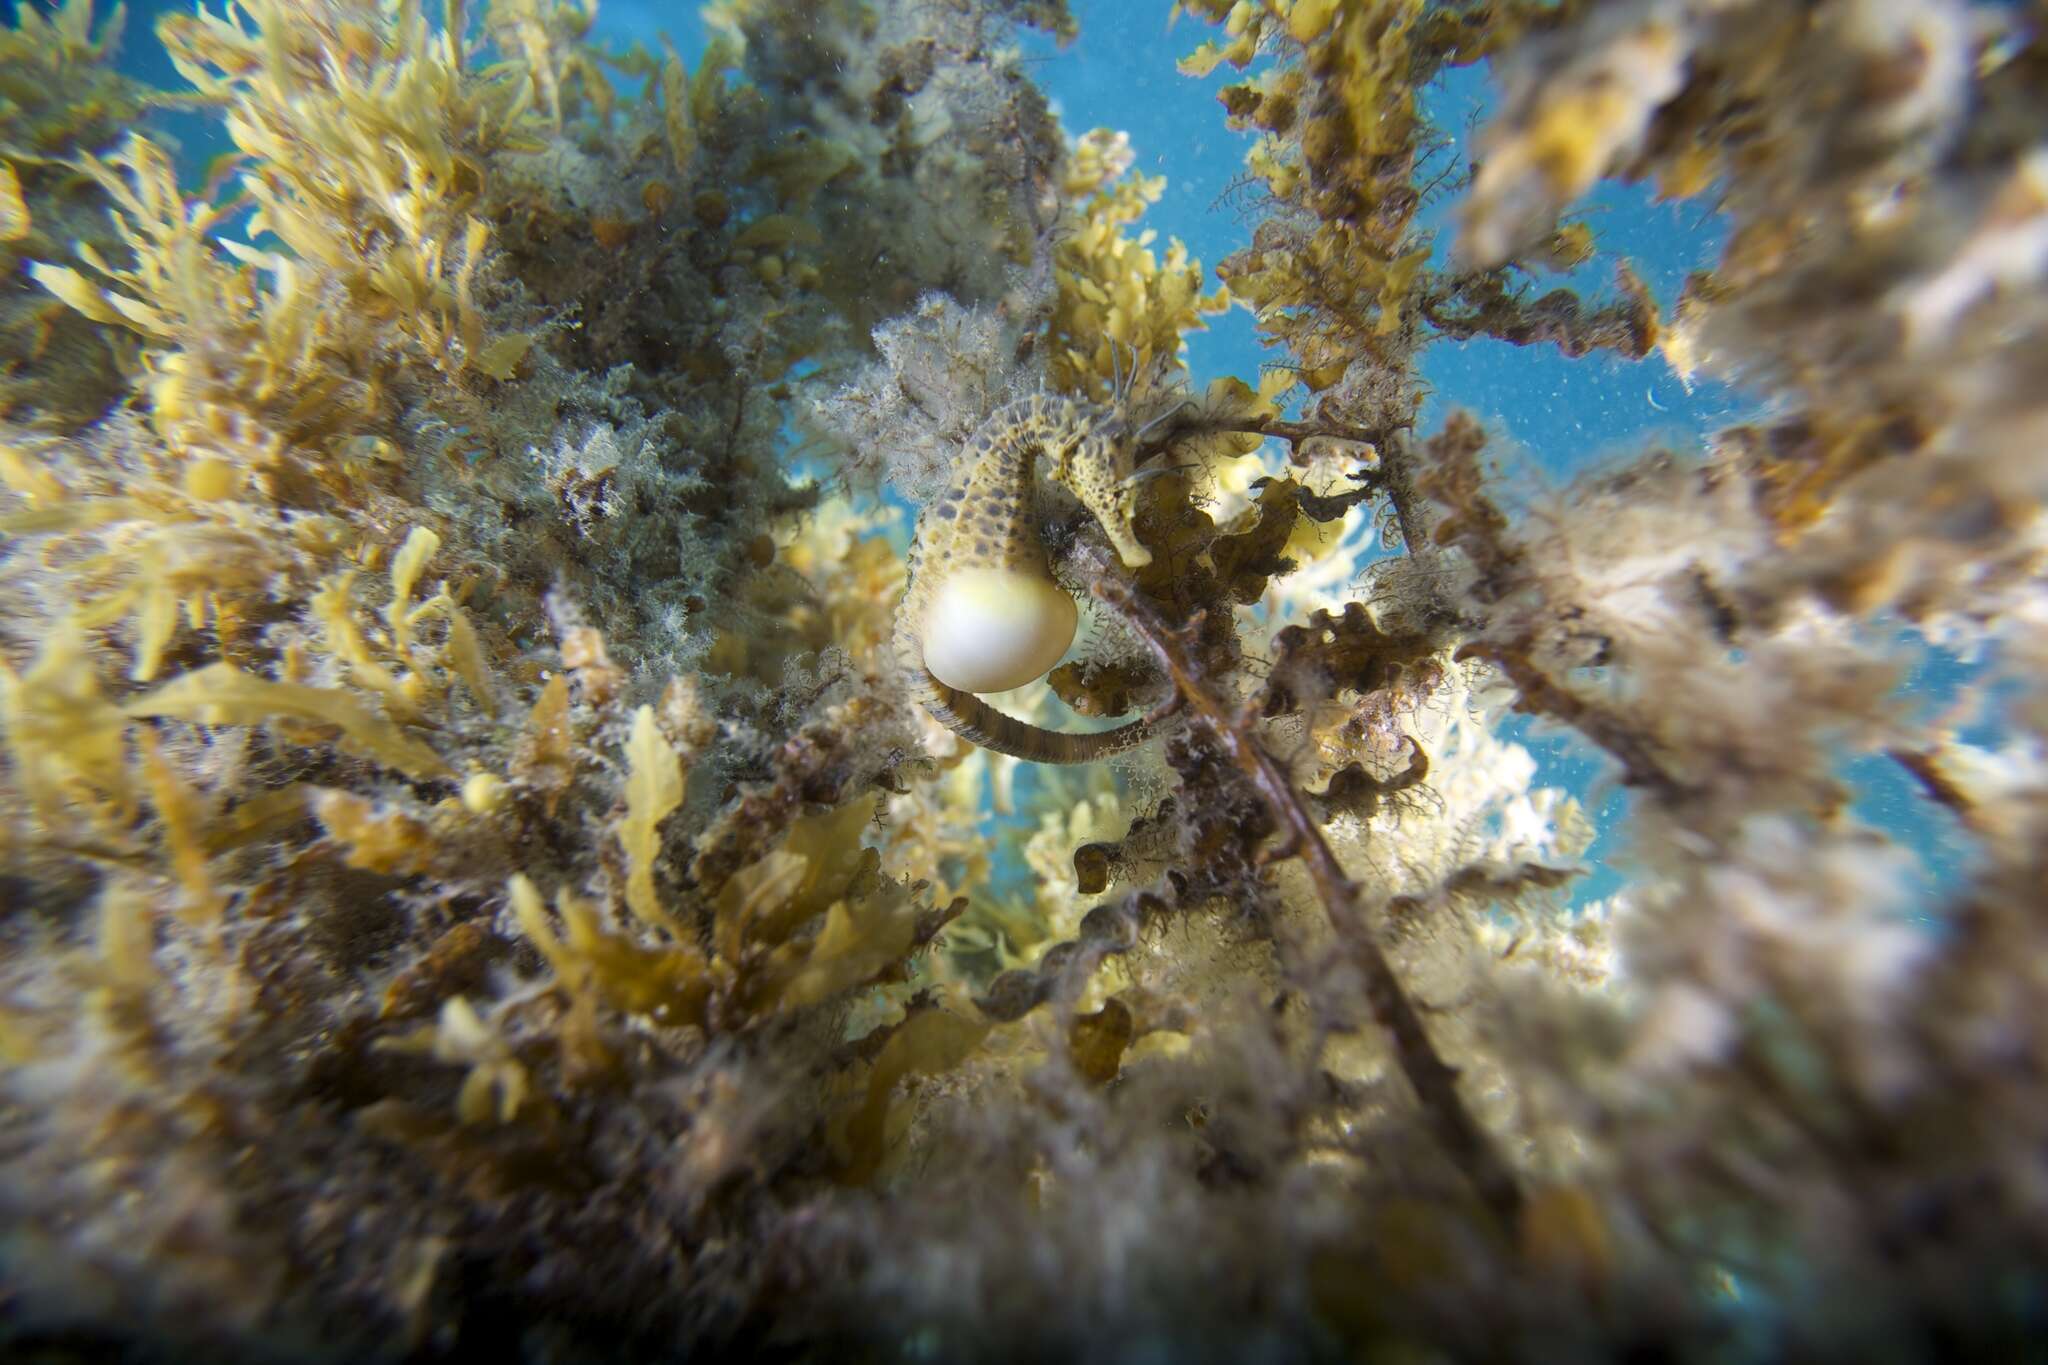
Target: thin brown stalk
{"x":1235,"y":729}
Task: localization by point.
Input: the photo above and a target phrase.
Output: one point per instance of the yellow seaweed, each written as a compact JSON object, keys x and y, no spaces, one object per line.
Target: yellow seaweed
{"x":654,"y":788}
{"x":221,"y":694}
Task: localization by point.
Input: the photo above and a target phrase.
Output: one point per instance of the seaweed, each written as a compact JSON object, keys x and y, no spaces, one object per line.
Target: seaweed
{"x":478,"y":877}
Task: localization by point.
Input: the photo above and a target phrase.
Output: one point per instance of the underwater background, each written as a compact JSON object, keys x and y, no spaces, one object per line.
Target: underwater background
{"x":1246,"y":679}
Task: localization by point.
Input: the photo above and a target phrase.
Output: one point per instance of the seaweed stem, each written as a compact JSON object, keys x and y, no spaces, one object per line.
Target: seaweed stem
{"x":1611,"y":732}
{"x":1396,"y":478}
{"x":1434,"y":1080}
{"x":1294,"y":433}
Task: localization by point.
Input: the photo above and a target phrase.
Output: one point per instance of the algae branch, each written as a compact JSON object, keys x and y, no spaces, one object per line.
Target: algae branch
{"x":489,"y":864}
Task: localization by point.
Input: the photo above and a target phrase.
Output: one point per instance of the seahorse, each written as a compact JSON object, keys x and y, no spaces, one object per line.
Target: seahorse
{"x":982,"y":613}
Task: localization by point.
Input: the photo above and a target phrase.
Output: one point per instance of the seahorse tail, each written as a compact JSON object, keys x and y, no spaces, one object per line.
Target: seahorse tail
{"x":975,"y":721}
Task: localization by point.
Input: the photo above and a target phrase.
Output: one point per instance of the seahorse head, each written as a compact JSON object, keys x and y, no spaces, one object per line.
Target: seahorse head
{"x":1098,"y":469}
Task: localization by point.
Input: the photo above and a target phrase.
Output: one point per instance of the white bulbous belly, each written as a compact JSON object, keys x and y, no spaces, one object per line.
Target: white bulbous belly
{"x":988,"y":629}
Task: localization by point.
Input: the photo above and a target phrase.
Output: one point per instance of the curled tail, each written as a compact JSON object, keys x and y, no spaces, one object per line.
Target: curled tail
{"x":975,"y":721}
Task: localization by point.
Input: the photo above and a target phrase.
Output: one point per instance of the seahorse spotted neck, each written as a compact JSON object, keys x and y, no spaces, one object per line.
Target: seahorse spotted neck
{"x":983,"y":613}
